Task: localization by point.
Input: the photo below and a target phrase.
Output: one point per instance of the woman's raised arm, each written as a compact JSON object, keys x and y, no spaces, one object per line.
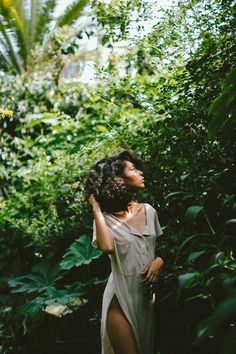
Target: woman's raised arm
{"x":104,"y":238}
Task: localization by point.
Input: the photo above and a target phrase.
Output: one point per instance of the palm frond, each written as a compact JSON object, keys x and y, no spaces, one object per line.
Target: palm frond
{"x":4,"y":60}
{"x":19,"y":5}
{"x":6,"y":43}
{"x":14,"y":21}
{"x":32,"y":24}
{"x":71,"y":13}
{"x":44,"y":20}
{"x":26,"y":22}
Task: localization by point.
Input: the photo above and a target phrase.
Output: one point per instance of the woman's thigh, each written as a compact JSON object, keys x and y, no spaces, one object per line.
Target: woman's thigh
{"x":119,"y":330}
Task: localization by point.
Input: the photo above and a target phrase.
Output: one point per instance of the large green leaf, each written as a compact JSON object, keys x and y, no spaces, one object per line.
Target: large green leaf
{"x":186,"y":242}
{"x":185,"y":194}
{"x":222,"y":110}
{"x":186,"y":279}
{"x":42,"y":277}
{"x":195,"y":255}
{"x":80,"y":252}
{"x":226,"y":311}
{"x":54,"y":296}
{"x":192,"y":212}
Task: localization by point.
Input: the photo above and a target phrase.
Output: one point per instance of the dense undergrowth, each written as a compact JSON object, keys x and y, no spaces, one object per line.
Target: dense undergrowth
{"x":174,"y":104}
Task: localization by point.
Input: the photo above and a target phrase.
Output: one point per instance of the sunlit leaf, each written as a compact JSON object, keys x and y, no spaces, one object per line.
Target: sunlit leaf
{"x":80,"y":252}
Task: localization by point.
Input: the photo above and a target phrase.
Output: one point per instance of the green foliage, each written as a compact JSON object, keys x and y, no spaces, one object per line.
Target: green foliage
{"x":153,"y":98}
{"x":80,"y":252}
{"x":42,"y":277}
{"x":223,"y":111}
{"x":225,"y":312}
{"x":72,"y":12}
{"x":192,"y":212}
{"x":115,"y":17}
{"x":25,"y":24}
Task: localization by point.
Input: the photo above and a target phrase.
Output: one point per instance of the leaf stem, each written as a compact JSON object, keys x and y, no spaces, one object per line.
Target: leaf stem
{"x":208,"y":222}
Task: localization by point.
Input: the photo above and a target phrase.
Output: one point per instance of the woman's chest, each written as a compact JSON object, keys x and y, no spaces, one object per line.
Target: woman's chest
{"x":135,"y":253}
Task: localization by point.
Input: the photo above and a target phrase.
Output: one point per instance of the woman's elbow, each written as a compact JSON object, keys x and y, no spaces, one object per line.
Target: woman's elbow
{"x":107,"y":249}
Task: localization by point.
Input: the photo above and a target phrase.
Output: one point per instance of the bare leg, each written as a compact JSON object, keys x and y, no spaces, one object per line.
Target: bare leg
{"x":119,"y":330}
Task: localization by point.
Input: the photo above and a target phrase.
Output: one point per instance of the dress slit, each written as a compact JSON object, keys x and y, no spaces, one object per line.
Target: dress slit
{"x":109,"y":294}
{"x":122,"y":314}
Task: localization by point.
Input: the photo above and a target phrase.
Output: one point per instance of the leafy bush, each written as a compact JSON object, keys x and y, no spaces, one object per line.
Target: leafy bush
{"x":159,"y":107}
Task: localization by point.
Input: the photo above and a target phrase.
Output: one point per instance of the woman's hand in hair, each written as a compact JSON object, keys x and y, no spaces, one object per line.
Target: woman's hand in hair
{"x":104,"y":237}
{"x":93,"y":202}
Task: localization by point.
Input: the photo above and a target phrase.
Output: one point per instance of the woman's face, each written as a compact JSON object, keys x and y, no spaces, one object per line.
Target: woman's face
{"x":132,"y":176}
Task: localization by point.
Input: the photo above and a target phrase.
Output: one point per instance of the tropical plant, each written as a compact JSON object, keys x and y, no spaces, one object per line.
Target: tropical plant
{"x":23,"y":24}
{"x":44,"y":276}
{"x":158,"y":105}
{"x":80,"y":252}
{"x":223,"y":112}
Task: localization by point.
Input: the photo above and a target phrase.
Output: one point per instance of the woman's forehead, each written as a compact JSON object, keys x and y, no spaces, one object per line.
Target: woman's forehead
{"x":129,"y":163}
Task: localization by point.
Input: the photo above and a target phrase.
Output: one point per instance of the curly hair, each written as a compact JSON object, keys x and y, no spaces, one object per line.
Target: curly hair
{"x":105,"y":182}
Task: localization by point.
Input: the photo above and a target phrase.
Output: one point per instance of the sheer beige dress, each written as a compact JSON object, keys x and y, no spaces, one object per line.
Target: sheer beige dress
{"x":133,"y":251}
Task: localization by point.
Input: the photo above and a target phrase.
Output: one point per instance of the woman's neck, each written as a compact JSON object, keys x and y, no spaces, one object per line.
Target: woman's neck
{"x":131,"y":208}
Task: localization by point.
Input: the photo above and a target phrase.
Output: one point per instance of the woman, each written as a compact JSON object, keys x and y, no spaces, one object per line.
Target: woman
{"x":126,"y":230}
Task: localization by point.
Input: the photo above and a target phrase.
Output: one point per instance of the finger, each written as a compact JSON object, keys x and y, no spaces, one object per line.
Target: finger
{"x":146,"y":279}
{"x":152,"y":278}
{"x":150,"y":281}
{"x":145,"y":269}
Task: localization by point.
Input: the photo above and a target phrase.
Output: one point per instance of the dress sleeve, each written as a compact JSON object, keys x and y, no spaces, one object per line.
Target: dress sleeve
{"x":161,"y":242}
{"x":158,"y":228}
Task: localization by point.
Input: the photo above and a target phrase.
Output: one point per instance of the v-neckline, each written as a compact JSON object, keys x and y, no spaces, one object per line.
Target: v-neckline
{"x":132,"y":227}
